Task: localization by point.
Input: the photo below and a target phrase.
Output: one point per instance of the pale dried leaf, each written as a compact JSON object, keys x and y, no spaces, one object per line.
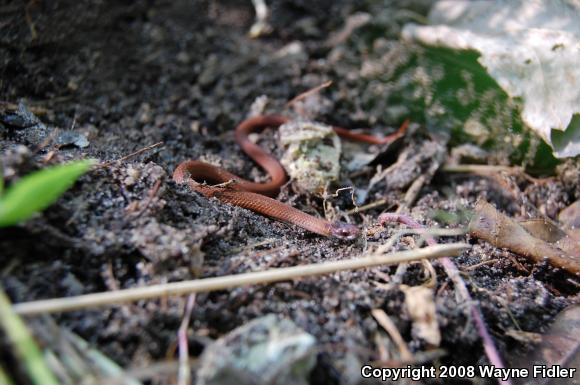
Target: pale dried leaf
{"x":530,"y":48}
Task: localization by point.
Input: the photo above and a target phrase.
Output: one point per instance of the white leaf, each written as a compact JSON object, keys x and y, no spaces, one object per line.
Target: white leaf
{"x":532,"y":50}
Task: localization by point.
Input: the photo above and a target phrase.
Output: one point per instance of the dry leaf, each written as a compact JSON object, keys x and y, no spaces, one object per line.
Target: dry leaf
{"x":501,"y":231}
{"x":421,"y":307}
{"x":570,"y":216}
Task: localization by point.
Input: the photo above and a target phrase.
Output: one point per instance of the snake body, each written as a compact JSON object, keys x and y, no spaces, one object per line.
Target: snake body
{"x":257,"y":196}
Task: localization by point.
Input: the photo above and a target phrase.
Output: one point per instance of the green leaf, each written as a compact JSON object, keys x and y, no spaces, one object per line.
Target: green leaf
{"x":35,"y":192}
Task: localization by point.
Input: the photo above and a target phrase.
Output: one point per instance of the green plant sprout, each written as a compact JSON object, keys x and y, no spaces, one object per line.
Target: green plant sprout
{"x":38,"y":190}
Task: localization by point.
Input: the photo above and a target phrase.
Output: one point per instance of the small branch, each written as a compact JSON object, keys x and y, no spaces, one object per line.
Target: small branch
{"x":413,"y":191}
{"x":368,"y":206}
{"x":477,"y":265}
{"x":492,"y":170}
{"x":383,"y":319}
{"x":152,"y":194}
{"x":309,"y":92}
{"x":479,"y":169}
{"x":184,"y":376}
{"x":352,"y":23}
{"x":133,"y":154}
{"x":230,"y":281}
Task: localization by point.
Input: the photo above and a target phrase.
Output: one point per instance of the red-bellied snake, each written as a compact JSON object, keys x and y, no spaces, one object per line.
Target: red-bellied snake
{"x":256,"y":196}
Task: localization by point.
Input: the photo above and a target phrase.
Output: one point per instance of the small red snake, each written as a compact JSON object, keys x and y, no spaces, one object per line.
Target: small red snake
{"x":256,"y":196}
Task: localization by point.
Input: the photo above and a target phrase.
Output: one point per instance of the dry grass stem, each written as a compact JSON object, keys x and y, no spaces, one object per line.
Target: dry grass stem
{"x":386,"y":323}
{"x":229,"y":281}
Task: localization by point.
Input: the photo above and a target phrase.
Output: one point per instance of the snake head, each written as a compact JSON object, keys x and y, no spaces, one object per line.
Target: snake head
{"x":343,"y":230}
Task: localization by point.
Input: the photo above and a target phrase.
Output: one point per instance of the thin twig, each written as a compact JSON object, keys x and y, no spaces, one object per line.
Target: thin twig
{"x":453,"y":274}
{"x":184,"y":372}
{"x":308,"y":93}
{"x":479,"y":168}
{"x":477,"y":265}
{"x":230,"y":281}
{"x":152,"y":194}
{"x":368,"y":206}
{"x":383,"y":319}
{"x":483,"y":169}
{"x":252,"y":246}
{"x":352,"y":23}
{"x":414,"y":190}
{"x":131,"y":155}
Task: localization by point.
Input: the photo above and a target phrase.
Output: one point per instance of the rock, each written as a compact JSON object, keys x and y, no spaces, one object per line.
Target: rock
{"x":268,"y":350}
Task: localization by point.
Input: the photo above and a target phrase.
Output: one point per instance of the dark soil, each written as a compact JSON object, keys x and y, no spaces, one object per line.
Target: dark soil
{"x":130,"y":74}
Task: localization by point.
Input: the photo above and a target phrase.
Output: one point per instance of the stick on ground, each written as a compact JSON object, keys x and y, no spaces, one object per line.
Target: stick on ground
{"x":229,"y":281}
